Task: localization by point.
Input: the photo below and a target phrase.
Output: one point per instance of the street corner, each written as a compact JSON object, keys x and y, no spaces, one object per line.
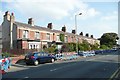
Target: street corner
{"x":18,"y":60}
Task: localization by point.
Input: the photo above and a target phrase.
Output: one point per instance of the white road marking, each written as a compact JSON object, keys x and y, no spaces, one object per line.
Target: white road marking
{"x":53,"y":69}
{"x":26,"y":77}
{"x":62,"y":67}
{"x":94,"y":58}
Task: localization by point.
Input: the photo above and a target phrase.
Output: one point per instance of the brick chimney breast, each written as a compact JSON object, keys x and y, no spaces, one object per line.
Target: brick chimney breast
{"x":50,"y":25}
{"x":30,"y":21}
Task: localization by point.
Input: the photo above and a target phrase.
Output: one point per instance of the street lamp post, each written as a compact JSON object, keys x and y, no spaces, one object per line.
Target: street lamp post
{"x":76,"y":30}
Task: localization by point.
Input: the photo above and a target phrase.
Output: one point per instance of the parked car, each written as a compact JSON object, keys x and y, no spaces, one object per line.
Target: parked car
{"x":5,"y":63}
{"x":39,"y":57}
{"x":82,"y":54}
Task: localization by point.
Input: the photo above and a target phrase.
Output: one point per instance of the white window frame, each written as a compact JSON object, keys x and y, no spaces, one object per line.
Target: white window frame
{"x":66,"y":39}
{"x":48,"y":36}
{"x":25,"y":34}
{"x":37,"y":35}
{"x":58,"y":37}
{"x":34,"y":45}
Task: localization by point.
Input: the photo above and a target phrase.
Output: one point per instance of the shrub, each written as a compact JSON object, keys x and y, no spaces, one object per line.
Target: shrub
{"x":104,"y":47}
{"x":50,"y":49}
{"x":68,"y":47}
{"x":5,"y":54}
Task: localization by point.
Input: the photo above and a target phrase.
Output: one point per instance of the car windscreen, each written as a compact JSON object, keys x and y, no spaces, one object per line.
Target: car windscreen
{"x":30,"y":54}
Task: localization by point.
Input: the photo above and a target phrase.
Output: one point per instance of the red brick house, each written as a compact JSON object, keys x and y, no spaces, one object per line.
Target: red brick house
{"x":18,"y":35}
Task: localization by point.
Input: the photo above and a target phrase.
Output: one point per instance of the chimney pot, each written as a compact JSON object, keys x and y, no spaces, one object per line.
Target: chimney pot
{"x":81,"y":33}
{"x":87,"y":35}
{"x":64,"y":28}
{"x":30,"y":21}
{"x":49,"y":25}
{"x":12,"y":14}
{"x":73,"y":31}
{"x":91,"y":36}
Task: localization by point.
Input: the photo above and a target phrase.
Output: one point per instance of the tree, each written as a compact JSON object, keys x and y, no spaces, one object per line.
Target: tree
{"x":94,"y":47}
{"x":84,"y":46}
{"x":62,"y":37}
{"x":68,"y":47}
{"x":109,"y":39}
{"x":103,"y":47}
{"x":50,"y":49}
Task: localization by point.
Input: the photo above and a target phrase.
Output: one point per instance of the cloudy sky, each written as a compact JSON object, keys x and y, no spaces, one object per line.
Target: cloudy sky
{"x":98,"y":16}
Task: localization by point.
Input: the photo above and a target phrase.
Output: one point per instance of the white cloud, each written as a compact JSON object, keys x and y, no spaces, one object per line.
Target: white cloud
{"x":103,"y":24}
{"x":109,"y":17}
{"x":99,"y":28}
{"x":89,"y":12}
{"x":54,"y":9}
{"x":56,"y":0}
{"x":112,"y":16}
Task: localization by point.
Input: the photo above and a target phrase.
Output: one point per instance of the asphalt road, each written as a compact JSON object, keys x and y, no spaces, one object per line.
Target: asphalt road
{"x":99,"y":66}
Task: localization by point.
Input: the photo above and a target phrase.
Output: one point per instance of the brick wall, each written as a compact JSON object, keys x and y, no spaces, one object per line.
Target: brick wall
{"x":43,"y":36}
{"x":19,"y":33}
{"x":24,"y":45}
{"x":31,"y":35}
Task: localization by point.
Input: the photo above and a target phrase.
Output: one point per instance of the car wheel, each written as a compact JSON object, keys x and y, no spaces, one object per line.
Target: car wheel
{"x":36,"y":62}
{"x":52,"y":60}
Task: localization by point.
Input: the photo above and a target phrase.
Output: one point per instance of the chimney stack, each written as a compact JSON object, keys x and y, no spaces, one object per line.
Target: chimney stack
{"x":64,"y":28}
{"x":73,"y":31}
{"x":91,"y":36}
{"x":87,"y":35}
{"x":7,"y":16}
{"x":50,"y":25}
{"x":81,"y":34}
{"x":30,"y":21}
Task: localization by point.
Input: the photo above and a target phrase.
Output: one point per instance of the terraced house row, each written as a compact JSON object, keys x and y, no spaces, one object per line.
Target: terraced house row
{"x":18,"y":35}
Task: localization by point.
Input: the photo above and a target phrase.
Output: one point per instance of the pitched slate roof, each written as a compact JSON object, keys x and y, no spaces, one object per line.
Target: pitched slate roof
{"x":29,"y":26}
{"x":47,"y":29}
{"x":41,"y":28}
